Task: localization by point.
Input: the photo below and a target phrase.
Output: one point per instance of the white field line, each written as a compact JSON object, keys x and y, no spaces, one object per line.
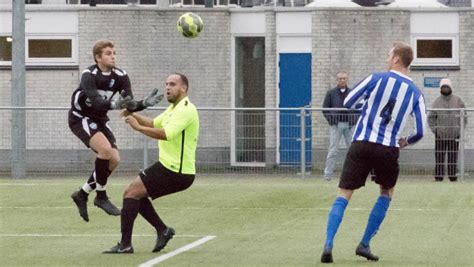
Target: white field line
{"x":180,"y":250}
{"x":194,"y":185}
{"x":50,"y":184}
{"x":87,"y":235}
{"x":236,"y":208}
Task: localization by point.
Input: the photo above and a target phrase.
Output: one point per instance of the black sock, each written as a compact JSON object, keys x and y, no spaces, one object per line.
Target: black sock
{"x":150,"y":214}
{"x":83,"y":193}
{"x":101,"y":194}
{"x":129,"y":214}
{"x":102,"y":172}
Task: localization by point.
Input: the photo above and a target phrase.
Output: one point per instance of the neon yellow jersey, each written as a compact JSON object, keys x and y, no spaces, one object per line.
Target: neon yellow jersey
{"x":181,"y":125}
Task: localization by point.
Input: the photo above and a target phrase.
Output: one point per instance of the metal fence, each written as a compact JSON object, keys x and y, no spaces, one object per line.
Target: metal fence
{"x":233,"y":142}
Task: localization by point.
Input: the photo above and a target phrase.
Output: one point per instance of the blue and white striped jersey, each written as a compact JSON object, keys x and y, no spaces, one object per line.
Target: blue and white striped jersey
{"x":387,"y":98}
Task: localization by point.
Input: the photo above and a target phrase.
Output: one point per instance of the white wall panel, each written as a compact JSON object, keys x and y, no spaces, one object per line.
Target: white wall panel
{"x":294,"y":44}
{"x":52,"y":22}
{"x":5,"y":22}
{"x":247,"y":23}
{"x":446,"y":22}
{"x":293,"y":23}
{"x":43,"y":22}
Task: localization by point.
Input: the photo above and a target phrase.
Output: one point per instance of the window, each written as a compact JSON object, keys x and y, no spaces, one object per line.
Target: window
{"x":113,"y":2}
{"x":201,"y":2}
{"x":192,"y":2}
{"x":435,"y":44}
{"x":51,"y":50}
{"x":105,"y":2}
{"x":436,"y":50}
{"x":148,"y":2}
{"x":42,"y":50}
{"x":5,"y":48}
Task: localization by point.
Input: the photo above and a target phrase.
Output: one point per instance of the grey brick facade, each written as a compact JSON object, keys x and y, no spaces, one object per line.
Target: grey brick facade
{"x":149,"y":47}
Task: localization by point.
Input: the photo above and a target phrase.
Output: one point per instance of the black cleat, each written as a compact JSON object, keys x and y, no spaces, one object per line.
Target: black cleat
{"x":365,"y":252}
{"x":81,"y":204}
{"x":326,"y":257}
{"x":107,"y":206}
{"x":119,"y":249}
{"x":163,"y":238}
{"x":453,"y":178}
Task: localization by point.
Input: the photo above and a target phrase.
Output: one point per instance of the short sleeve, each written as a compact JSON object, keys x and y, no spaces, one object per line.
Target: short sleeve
{"x":158,"y":121}
{"x":178,"y":123}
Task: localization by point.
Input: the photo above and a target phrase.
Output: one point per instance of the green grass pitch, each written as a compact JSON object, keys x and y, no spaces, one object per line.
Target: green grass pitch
{"x":256,"y":221}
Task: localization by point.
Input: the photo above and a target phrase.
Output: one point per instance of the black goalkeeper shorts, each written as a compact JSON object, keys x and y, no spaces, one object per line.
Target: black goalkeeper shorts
{"x":84,"y":128}
{"x":160,"y":181}
{"x":363,"y":157}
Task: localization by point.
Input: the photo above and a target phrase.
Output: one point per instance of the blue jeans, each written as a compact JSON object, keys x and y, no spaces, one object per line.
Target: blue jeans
{"x":335,"y":134}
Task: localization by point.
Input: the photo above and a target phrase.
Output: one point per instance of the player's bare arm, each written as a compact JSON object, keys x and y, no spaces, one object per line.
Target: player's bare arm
{"x":142,"y":120}
{"x":155,"y":133}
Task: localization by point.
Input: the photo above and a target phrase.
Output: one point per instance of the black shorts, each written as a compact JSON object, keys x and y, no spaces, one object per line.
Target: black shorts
{"x":362,"y":157}
{"x":84,"y":128}
{"x":159,"y":181}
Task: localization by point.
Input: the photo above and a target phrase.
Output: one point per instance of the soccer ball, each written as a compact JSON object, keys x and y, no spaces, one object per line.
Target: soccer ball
{"x":190,"y":25}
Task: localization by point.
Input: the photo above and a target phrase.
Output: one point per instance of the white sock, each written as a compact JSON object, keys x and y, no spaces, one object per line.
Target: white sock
{"x":87,"y":188}
{"x":99,"y":187}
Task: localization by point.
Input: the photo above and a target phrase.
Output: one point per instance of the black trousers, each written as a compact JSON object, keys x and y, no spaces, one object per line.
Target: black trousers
{"x":446,"y":147}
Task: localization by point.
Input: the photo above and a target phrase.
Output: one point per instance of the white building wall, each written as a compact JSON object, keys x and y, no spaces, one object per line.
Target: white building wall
{"x":247,"y":23}
{"x":47,"y":22}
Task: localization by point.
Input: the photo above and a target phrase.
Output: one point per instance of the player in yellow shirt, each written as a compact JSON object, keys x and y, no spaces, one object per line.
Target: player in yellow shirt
{"x":177,"y":130}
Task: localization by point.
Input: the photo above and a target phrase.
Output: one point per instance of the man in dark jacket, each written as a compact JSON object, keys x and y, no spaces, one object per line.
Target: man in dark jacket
{"x":341,"y":122}
{"x":446,"y":126}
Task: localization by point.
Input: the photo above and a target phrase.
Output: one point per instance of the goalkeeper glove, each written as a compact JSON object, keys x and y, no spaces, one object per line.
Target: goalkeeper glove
{"x":154,"y":98}
{"x":121,"y":102}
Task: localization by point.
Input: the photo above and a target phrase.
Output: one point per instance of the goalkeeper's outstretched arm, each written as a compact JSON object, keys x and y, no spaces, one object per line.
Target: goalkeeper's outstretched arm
{"x":136,"y":106}
{"x":154,"y":98}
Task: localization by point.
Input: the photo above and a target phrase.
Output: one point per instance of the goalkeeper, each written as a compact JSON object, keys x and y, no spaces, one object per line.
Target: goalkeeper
{"x":88,"y":120}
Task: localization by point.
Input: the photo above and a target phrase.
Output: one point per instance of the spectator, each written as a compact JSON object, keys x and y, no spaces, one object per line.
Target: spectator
{"x":446,"y":126}
{"x":340,"y":122}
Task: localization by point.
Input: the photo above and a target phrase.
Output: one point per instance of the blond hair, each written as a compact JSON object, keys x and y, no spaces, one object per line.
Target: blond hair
{"x":99,"y":47}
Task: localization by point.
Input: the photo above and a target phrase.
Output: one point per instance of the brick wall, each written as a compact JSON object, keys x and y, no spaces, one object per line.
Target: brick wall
{"x":149,"y":47}
{"x":355,"y":41}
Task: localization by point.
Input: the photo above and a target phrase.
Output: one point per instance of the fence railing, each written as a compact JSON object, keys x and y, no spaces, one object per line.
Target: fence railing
{"x":289,"y":142}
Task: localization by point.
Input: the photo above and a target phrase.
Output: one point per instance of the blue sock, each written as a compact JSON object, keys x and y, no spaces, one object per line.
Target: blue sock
{"x":375,"y":219}
{"x":334,"y":220}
